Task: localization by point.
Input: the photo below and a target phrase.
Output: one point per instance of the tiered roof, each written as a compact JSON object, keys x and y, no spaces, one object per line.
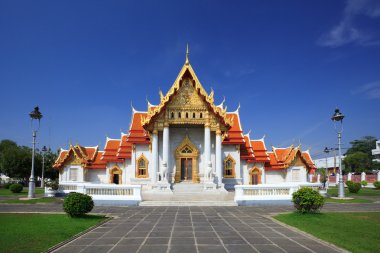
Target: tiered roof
{"x":119,"y":150}
{"x":88,"y":157}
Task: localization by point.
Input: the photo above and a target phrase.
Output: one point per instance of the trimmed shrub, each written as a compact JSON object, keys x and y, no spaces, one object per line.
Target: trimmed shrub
{"x":376,"y":184}
{"x":77,"y":204}
{"x":7,"y":185}
{"x":307,"y":200}
{"x":16,"y":188}
{"x":52,"y":185}
{"x":353,"y":187}
{"x":364,"y":183}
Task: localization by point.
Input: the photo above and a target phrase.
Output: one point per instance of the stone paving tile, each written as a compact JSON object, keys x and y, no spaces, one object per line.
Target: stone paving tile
{"x":124,"y":249}
{"x":239,"y":248}
{"x":211,"y":249}
{"x":96,"y":249}
{"x":193,"y":229}
{"x":208,"y":241}
{"x":182,"y":249}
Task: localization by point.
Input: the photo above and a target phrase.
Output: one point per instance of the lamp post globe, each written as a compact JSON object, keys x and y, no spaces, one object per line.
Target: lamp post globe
{"x":337,"y":118}
{"x":35,"y":116}
{"x":44,"y":150}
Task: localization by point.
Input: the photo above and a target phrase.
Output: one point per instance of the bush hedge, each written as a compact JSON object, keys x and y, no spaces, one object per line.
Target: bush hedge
{"x":16,"y":188}
{"x":364,"y":183}
{"x":307,"y":200}
{"x":353,"y":187}
{"x":77,"y":204}
{"x":377,"y":184}
{"x":7,"y":185}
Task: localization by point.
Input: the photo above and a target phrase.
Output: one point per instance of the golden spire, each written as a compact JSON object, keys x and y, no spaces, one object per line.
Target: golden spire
{"x":187,"y":54}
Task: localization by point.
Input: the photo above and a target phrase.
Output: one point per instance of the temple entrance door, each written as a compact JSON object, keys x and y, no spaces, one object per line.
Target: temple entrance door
{"x":255,"y":179}
{"x":116,"y":178}
{"x":254,"y":176}
{"x":186,"y":169}
{"x":186,"y":156}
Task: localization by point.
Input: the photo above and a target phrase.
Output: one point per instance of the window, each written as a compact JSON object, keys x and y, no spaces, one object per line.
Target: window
{"x":254,"y":176}
{"x":142,"y":167}
{"x":73,"y":174}
{"x":187,"y":150}
{"x":187,"y":115}
{"x":172,"y":115}
{"x":193,"y":115}
{"x":179,"y":115}
{"x":229,"y":167}
{"x":200,"y":115}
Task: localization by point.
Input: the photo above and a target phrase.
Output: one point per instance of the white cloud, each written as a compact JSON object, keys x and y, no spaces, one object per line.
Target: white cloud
{"x":347,"y":31}
{"x":370,"y":90}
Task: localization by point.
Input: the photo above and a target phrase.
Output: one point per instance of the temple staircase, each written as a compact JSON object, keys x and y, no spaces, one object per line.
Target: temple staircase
{"x":188,"y":194}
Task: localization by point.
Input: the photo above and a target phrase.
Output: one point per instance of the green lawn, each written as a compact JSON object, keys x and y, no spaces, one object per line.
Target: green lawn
{"x":7,"y":192}
{"x":356,"y":232}
{"x":32,"y":201}
{"x":38,"y":232}
{"x":344,"y":201}
{"x":333,"y":191}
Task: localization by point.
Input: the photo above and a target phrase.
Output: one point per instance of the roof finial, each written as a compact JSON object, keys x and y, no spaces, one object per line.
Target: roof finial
{"x":187,"y":53}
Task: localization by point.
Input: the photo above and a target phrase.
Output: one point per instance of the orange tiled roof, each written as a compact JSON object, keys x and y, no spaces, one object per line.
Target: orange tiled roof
{"x":246,"y":151}
{"x":88,"y":156}
{"x":281,"y":158}
{"x":97,"y":163}
{"x":235,"y":134}
{"x":125,"y":148}
{"x":259,"y":151}
{"x":110,"y":150}
{"x":137,"y":133}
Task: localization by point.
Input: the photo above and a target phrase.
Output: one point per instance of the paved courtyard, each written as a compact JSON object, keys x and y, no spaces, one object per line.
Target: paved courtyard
{"x":193,"y":229}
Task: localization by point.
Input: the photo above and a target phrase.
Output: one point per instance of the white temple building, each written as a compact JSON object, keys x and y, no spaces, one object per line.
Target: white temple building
{"x":185,"y":138}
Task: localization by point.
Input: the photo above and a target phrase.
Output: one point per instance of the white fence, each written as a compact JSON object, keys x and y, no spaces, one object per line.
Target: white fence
{"x":105,"y":194}
{"x":269,"y":192}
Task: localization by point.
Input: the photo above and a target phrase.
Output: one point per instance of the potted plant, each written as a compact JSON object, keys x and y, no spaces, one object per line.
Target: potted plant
{"x":51,"y":188}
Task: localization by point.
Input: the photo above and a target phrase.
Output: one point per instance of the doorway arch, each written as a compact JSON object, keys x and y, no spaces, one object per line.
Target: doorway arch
{"x":254,"y":176}
{"x":186,"y":156}
{"x":115,"y":175}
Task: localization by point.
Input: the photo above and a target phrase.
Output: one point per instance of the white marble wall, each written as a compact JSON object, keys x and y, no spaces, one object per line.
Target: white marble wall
{"x":96,"y":176}
{"x":274,"y":176}
{"x":302,"y":174}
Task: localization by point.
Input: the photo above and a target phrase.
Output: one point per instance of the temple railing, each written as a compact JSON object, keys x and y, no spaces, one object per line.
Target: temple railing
{"x":103,"y":192}
{"x":282,"y":191}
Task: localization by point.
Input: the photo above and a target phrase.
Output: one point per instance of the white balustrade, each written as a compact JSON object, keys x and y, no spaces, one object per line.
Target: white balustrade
{"x":270,"y":191}
{"x":107,"y":192}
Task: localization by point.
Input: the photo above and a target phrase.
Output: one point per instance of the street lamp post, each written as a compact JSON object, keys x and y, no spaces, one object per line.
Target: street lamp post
{"x":327,"y":151}
{"x":34,"y":115}
{"x":338,"y":117}
{"x":44,"y":149}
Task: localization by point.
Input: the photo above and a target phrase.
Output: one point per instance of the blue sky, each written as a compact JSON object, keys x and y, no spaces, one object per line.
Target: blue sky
{"x":288,"y":63}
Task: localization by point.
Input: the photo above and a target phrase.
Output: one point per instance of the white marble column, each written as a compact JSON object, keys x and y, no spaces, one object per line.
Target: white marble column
{"x":207,"y":144}
{"x":263,"y":176}
{"x":165,"y":145}
{"x":154,"y":155}
{"x":218,"y":156}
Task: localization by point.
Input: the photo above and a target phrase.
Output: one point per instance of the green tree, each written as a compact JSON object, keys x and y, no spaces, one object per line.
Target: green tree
{"x":357,"y":162}
{"x":359,"y":156}
{"x":365,"y":145}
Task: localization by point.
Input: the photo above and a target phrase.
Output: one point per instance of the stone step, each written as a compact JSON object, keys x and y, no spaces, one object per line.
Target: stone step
{"x":187,"y":188}
{"x":187,"y":203}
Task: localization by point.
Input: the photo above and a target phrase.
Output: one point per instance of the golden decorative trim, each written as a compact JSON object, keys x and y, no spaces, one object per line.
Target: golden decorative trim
{"x":255,"y":171}
{"x":142,"y":157}
{"x":186,"y":143}
{"x":229,"y":157}
{"x":115,"y":171}
{"x":208,"y":98}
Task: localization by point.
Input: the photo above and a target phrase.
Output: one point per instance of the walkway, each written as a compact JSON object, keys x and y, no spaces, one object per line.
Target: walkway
{"x":193,"y":229}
